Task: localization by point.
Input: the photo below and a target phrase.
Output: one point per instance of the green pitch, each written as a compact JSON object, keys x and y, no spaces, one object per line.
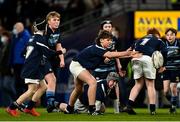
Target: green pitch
{"x":142,"y":115}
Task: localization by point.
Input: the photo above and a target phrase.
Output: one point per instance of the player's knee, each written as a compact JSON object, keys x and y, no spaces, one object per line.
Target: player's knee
{"x":51,"y":79}
{"x":138,"y":86}
{"x":54,"y":79}
{"x":44,"y":88}
{"x":78,"y":90}
{"x":93,"y":83}
{"x":165,"y":91}
{"x":31,"y":91}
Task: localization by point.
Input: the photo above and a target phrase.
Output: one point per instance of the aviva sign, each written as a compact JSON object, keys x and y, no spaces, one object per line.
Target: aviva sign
{"x":143,"y":20}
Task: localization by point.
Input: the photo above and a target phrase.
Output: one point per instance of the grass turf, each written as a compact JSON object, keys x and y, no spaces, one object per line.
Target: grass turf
{"x":142,"y":115}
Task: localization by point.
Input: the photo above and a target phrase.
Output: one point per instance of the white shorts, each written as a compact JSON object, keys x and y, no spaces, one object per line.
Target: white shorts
{"x":143,"y":66}
{"x":76,"y":68}
{"x":33,"y":81}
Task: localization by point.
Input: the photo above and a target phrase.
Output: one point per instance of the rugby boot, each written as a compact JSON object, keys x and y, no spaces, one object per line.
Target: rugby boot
{"x":32,"y":111}
{"x":12,"y":112}
{"x":172,"y":110}
{"x":129,"y":110}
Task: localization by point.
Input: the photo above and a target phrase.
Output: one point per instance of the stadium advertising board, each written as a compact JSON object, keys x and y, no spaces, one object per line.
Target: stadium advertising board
{"x":143,"y":20}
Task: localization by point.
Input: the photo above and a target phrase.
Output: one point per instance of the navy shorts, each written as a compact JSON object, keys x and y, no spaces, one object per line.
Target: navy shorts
{"x":171,"y":75}
{"x":46,"y":68}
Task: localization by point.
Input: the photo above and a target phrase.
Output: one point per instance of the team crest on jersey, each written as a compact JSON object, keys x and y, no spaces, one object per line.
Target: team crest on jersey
{"x":53,"y":39}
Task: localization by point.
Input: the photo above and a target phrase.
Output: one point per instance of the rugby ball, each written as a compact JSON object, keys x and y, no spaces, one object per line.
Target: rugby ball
{"x":157,"y":59}
{"x":178,"y":86}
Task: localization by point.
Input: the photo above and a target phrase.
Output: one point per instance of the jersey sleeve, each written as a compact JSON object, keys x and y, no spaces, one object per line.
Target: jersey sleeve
{"x":99,"y":51}
{"x":44,"y":49}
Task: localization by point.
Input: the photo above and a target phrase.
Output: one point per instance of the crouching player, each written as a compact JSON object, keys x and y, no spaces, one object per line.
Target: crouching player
{"x":36,"y":53}
{"x":104,"y":87}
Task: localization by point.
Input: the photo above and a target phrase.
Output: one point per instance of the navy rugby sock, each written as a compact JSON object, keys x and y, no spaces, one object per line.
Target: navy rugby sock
{"x":92,"y":108}
{"x":70,"y":109}
{"x":130,"y":103}
{"x":14,"y":105}
{"x":152,"y":107}
{"x":31,"y":104}
{"x":174,"y":100}
{"x":50,"y":96}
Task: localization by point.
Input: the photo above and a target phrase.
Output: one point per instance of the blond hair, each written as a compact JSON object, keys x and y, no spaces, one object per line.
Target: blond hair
{"x":52,"y":14}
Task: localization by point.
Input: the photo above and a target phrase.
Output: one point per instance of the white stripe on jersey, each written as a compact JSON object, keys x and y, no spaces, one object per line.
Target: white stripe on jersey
{"x":100,"y":47}
{"x":43,"y":45}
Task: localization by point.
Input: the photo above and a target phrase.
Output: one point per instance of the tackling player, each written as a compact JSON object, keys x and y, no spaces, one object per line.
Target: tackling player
{"x":144,"y":71}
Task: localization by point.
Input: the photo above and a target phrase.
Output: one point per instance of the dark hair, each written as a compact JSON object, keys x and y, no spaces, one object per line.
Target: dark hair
{"x":105,"y":22}
{"x":39,"y":24}
{"x":153,"y":31}
{"x":172,"y":30}
{"x":103,"y":34}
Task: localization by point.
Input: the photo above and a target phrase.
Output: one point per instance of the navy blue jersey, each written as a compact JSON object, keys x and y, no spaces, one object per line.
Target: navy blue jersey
{"x":35,"y":51}
{"x":173,"y":50}
{"x":148,"y":44}
{"x":53,"y":38}
{"x":101,"y":92}
{"x":91,"y":57}
{"x":173,"y":54}
{"x":103,"y":69}
{"x":112,"y":47}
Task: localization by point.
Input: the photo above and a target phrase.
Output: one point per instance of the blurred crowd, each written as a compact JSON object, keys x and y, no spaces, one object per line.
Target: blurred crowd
{"x":12,"y":46}
{"x":26,"y":11}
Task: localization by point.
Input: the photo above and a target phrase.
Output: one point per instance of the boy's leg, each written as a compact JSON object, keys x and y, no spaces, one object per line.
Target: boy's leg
{"x":12,"y":108}
{"x":50,"y":92}
{"x":30,"y":107}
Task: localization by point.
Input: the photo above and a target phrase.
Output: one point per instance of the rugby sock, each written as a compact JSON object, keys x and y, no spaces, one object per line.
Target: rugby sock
{"x":174,"y":101}
{"x":50,"y":96}
{"x":130,"y":103}
{"x":92,"y":108}
{"x":116,"y":105}
{"x":31,"y":104}
{"x":98,"y":105}
{"x":14,"y":105}
{"x":152,"y":107}
{"x":70,"y":109}
{"x":22,"y":106}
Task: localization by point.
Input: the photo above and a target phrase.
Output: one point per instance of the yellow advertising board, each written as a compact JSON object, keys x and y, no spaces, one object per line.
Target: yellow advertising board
{"x":143,"y":20}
